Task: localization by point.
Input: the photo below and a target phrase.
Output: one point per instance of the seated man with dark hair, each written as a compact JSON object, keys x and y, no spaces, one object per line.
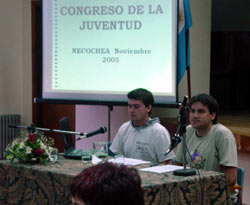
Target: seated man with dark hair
{"x":107,"y":184}
{"x":142,"y":137}
{"x":212,"y":146}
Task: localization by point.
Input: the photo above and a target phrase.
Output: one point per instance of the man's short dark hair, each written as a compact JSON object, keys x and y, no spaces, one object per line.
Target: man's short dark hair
{"x":142,"y":94}
{"x":209,"y":101}
{"x":108,"y":184}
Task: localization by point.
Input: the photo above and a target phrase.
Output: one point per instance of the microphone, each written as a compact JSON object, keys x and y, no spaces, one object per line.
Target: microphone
{"x":182,"y":113}
{"x":13,"y":126}
{"x":99,"y":131}
{"x":175,"y":141}
{"x":181,"y":126}
{"x":31,"y":127}
{"x":17,"y":126}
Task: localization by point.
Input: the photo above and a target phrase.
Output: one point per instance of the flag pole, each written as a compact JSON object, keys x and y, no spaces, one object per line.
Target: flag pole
{"x":184,"y":53}
{"x":188,"y":67}
{"x":189,"y":83}
{"x":188,"y":79}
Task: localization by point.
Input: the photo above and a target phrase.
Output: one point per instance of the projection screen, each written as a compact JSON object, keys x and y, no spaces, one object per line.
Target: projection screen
{"x":98,"y":50}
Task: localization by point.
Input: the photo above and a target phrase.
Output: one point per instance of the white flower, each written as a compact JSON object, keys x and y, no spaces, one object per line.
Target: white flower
{"x":28,"y":150}
{"x":15,"y":142}
{"x":43,"y":146}
{"x":21,"y":145}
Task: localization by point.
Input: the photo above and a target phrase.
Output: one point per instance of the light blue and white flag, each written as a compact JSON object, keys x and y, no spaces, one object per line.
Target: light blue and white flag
{"x":185,"y":22}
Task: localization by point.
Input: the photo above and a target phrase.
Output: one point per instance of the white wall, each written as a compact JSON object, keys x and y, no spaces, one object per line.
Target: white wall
{"x":200,"y":38}
{"x":15,"y":57}
{"x":26,"y":108}
{"x":200,"y":55}
{"x":11,"y":56}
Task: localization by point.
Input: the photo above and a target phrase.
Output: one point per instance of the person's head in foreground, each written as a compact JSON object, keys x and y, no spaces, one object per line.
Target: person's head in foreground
{"x":107,"y":184}
{"x":140,"y":102}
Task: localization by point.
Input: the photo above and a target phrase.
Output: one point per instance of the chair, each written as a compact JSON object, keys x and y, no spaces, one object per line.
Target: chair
{"x":64,"y":124}
{"x":240,"y":182}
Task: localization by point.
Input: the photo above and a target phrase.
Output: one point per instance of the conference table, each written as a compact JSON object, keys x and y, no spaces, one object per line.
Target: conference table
{"x":25,"y":183}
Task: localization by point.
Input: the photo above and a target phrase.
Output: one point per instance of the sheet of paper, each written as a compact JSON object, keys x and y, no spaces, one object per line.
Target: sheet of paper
{"x":95,"y":160}
{"x":131,"y":161}
{"x":162,"y":168}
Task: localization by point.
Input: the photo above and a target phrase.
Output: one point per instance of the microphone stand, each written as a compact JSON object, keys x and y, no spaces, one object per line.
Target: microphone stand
{"x":32,"y":128}
{"x":182,"y":132}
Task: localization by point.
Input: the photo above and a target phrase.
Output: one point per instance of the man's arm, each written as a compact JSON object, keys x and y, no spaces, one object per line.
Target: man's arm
{"x":178,"y":163}
{"x":116,"y":146}
{"x":169,"y":161}
{"x":160,"y":143}
{"x":231,"y":174}
{"x":227,"y":150}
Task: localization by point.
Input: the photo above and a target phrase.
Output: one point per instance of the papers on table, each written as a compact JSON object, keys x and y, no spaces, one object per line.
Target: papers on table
{"x":162,"y":168}
{"x":131,"y":161}
{"x":95,"y":159}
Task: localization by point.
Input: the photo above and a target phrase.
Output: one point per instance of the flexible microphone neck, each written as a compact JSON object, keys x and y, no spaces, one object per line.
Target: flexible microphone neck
{"x":181,"y":128}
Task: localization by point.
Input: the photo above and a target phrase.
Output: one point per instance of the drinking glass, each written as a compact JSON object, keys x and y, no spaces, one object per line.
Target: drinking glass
{"x":53,"y":154}
{"x":86,"y":156}
{"x":100,"y":150}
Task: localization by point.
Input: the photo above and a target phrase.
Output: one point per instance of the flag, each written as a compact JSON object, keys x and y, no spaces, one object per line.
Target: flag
{"x":185,"y":22}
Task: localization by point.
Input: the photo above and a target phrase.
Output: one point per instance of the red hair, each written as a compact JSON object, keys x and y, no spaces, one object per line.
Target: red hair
{"x":108,"y":183}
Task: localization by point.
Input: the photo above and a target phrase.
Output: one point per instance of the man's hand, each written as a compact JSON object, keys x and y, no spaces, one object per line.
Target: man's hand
{"x":167,"y":162}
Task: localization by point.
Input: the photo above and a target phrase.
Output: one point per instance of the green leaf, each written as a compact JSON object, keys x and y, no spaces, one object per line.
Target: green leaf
{"x":9,"y":156}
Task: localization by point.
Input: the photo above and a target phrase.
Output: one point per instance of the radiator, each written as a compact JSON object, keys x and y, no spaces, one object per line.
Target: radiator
{"x":8,"y":134}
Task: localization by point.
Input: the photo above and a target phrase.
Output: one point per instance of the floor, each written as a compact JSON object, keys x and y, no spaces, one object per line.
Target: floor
{"x":244,"y":161}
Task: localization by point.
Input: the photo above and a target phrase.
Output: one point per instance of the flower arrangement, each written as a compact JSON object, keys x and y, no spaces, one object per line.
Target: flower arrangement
{"x":30,"y":147}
